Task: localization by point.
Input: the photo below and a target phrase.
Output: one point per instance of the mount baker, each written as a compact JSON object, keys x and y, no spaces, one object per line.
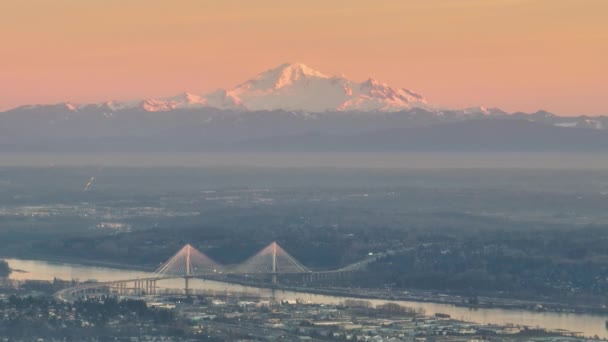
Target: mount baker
{"x":291,"y":107}
{"x":290,"y":86}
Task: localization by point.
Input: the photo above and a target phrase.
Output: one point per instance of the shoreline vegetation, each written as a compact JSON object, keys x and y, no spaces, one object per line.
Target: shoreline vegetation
{"x":5,"y":270}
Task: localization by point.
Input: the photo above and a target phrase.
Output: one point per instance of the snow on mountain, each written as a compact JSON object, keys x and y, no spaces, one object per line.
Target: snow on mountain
{"x":582,"y":122}
{"x":224,"y":100}
{"x":483,"y":111}
{"x":63,"y":106}
{"x":290,"y":87}
{"x":308,"y":93}
{"x":297,"y":87}
{"x":181,"y":101}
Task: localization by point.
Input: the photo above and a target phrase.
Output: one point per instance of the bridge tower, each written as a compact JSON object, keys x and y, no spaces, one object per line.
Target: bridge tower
{"x":188,"y":252}
{"x":274,"y":262}
{"x":188,"y":262}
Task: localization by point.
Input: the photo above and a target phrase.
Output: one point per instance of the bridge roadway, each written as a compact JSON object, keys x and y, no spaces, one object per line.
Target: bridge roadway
{"x":188,"y":258}
{"x":148,"y":285}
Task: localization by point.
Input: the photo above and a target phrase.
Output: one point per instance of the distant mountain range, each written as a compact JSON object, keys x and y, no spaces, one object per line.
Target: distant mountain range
{"x":292,"y":108}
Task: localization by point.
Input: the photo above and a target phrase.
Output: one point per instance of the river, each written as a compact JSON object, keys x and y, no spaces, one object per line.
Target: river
{"x":586,"y":324}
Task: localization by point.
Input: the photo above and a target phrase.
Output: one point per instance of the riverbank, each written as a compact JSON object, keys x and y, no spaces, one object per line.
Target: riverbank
{"x":82,"y":262}
{"x":413,"y":295}
{"x":587,"y":324}
{"x":482,"y":302}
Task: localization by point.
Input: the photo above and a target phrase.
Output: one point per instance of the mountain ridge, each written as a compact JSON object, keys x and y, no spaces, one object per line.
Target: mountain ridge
{"x":296,"y":108}
{"x":290,"y":86}
{"x":293,"y":87}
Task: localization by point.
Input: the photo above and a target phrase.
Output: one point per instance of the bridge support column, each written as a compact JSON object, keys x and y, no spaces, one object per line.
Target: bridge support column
{"x":274,"y":262}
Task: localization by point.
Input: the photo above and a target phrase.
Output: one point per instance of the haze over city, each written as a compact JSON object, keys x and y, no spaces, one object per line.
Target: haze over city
{"x":336,"y":170}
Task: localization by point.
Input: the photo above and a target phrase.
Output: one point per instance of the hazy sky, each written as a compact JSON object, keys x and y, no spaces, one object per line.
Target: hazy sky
{"x":513,"y":54}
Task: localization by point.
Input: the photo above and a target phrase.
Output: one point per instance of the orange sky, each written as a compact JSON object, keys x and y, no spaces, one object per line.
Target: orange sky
{"x":513,"y":54}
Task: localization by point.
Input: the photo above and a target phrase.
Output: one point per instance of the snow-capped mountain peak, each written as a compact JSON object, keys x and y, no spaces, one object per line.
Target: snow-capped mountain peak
{"x":290,"y":86}
{"x":180,"y":101}
{"x":298,"y":87}
{"x":188,"y":98}
{"x":483,"y":111}
{"x":64,"y":106}
{"x":285,"y":75}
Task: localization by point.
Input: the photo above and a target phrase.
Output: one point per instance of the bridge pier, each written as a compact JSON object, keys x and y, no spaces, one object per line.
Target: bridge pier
{"x":140,"y":287}
{"x":274,"y":262}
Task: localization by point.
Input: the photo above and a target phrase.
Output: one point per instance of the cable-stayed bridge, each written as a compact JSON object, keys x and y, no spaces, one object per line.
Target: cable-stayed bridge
{"x":190,"y":263}
{"x":186,"y":262}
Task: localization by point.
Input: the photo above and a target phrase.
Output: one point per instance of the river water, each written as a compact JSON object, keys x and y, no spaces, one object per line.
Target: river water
{"x":586,"y":324}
